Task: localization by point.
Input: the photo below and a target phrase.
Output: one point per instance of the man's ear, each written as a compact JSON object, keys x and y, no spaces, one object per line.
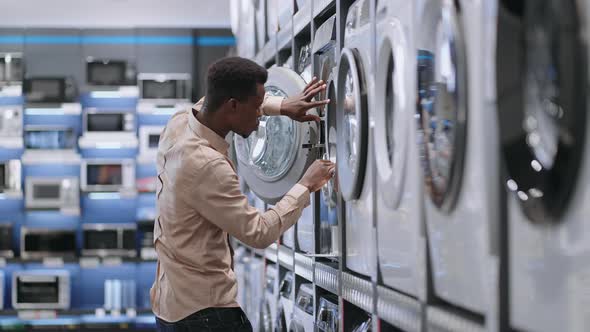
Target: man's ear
{"x":232,"y":103}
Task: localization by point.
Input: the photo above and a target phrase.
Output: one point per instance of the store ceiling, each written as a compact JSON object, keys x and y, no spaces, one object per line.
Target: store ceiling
{"x":115,"y":13}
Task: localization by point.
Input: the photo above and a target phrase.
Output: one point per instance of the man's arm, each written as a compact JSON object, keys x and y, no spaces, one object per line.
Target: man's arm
{"x":216,"y":195}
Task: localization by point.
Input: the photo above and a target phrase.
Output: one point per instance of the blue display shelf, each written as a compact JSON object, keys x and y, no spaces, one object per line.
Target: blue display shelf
{"x":108,"y":208}
{"x":93,"y":279}
{"x":110,"y":152}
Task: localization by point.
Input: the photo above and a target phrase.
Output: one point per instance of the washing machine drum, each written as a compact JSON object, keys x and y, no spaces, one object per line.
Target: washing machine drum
{"x":542,"y":84}
{"x":352,"y":122}
{"x":275,"y":157}
{"x":442,"y":105}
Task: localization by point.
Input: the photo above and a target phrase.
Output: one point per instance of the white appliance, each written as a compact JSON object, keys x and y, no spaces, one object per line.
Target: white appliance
{"x":542,"y":88}
{"x":272,"y":18}
{"x":49,"y":90}
{"x":325,"y":52}
{"x":285,"y":313}
{"x":354,"y":149}
{"x":11,"y":126}
{"x":40,"y":289}
{"x":50,"y":144}
{"x":106,"y":240}
{"x":62,"y":193}
{"x":268,"y":312}
{"x":303,"y":311}
{"x":164,"y":92}
{"x":275,"y":157}
{"x":400,"y":232}
{"x":2,"y":287}
{"x":10,"y":176}
{"x":11,"y":73}
{"x":260,"y":22}
{"x":110,"y":78}
{"x":240,"y":260}
{"x":255,"y":290}
{"x":246,"y":31}
{"x":459,"y":142}
{"x":328,"y":314}
{"x":149,"y":138}
{"x":108,"y":129}
{"x":107,"y":175}
{"x":6,"y":240}
{"x":38,"y":243}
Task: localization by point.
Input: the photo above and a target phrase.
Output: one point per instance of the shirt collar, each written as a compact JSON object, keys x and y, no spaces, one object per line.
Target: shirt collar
{"x":217,"y":142}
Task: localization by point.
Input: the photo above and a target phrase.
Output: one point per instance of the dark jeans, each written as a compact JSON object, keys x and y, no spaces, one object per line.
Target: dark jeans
{"x":209,"y":320}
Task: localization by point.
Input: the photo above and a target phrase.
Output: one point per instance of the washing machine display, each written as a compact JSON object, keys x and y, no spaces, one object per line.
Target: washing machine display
{"x":285,"y":303}
{"x":353,"y":153}
{"x":542,"y":85}
{"x":399,"y":211}
{"x":269,"y":307}
{"x":458,"y":148}
{"x":303,"y":311}
{"x":328,"y":316}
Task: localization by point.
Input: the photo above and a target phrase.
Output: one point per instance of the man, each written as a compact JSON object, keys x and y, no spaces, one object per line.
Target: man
{"x":200,"y":204}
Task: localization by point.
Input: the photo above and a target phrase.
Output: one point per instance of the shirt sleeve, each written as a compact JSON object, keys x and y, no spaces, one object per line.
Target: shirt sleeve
{"x":218,"y":198}
{"x":271,"y":105}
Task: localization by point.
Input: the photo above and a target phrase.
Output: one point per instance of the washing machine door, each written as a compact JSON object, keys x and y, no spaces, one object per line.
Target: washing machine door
{"x":392,"y":116}
{"x":442,"y":103}
{"x":275,"y":157}
{"x":542,"y":103}
{"x":352,"y":124}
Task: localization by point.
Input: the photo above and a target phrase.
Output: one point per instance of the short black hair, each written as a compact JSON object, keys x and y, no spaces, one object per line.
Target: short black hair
{"x":232,"y":77}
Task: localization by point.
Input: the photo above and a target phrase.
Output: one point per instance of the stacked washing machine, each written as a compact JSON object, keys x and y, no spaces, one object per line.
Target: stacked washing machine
{"x":355,"y":97}
{"x":542,"y":77}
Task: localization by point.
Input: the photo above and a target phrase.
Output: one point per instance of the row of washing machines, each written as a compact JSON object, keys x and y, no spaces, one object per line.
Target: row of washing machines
{"x":459,"y":132}
{"x":269,"y":310}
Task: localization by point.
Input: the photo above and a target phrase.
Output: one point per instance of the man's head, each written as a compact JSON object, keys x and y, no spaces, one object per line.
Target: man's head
{"x":235,"y":90}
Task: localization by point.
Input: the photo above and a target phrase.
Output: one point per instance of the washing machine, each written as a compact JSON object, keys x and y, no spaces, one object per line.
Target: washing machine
{"x":268,"y":313}
{"x":458,"y":138}
{"x":240,"y":260}
{"x":255,"y":299}
{"x":260,"y":22}
{"x":354,"y":149}
{"x":399,"y":215}
{"x":303,"y":312}
{"x":542,"y":90}
{"x":328,"y":314}
{"x":325,"y":52}
{"x":285,"y":313}
{"x":275,"y":157}
{"x":246,"y":27}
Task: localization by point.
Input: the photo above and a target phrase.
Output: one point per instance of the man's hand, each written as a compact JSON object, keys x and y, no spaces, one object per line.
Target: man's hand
{"x":318,"y":174}
{"x":296,"y":107}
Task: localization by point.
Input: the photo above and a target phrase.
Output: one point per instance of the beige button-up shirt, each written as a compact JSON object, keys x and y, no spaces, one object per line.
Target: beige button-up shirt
{"x":199,"y":202}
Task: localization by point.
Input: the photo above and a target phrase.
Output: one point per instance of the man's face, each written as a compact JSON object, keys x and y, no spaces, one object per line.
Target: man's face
{"x":248,"y":113}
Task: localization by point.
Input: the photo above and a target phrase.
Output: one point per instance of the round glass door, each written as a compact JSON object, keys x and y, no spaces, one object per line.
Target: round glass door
{"x":352,"y":125}
{"x":542,"y":102}
{"x":392,"y":117}
{"x":441,"y":105}
{"x":272,"y":159}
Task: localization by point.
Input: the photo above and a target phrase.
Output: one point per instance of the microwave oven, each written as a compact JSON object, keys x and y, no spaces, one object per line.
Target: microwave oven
{"x":104,"y":240}
{"x":109,"y":72}
{"x":11,"y":121}
{"x":41,"y":289}
{"x":49,"y":89}
{"x":39,"y":243}
{"x":6,"y":242}
{"x":164,"y":88}
{"x":10,"y":176}
{"x":39,"y":137}
{"x":114,"y":122}
{"x":11,"y":68}
{"x":107,"y":175}
{"x":52,"y":193}
{"x":149,"y":138}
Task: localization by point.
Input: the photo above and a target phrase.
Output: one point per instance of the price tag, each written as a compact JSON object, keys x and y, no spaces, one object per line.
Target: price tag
{"x":112,"y":261}
{"x":89,"y":262}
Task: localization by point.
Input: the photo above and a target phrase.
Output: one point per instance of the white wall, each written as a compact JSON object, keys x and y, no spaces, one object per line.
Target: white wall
{"x":115,"y":13}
